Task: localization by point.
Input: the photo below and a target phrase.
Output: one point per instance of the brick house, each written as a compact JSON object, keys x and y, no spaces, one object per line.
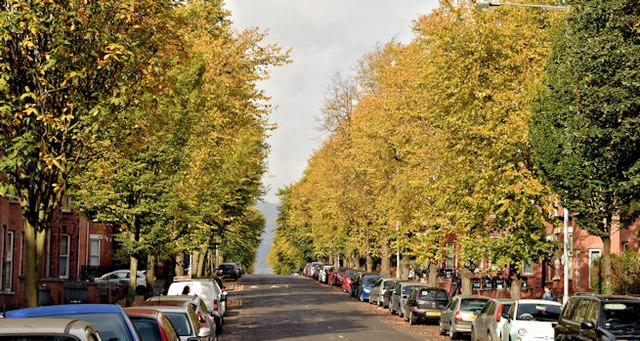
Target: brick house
{"x":71,"y":243}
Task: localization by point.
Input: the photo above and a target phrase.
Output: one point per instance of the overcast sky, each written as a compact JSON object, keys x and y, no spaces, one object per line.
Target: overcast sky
{"x":326,"y":36}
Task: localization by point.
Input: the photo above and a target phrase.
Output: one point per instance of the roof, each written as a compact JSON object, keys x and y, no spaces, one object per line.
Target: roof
{"x":54,"y":310}
{"x":42,"y":325}
{"x":162,"y":308}
{"x":530,"y":301}
{"x":177,"y":303}
{"x":143,"y":312}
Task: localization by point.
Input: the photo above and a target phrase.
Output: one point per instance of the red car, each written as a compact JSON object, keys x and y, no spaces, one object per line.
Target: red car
{"x":343,"y":273}
{"x":152,"y":324}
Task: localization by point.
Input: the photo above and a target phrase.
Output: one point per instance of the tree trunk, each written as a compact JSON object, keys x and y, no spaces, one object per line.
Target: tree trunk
{"x":195,"y":261}
{"x":433,"y":275}
{"x":31,"y":268}
{"x":467,"y":288}
{"x":404,"y":268}
{"x":179,"y":267}
{"x":385,"y":263}
{"x":169,"y":273}
{"x":201,"y":263}
{"x":150,"y":275}
{"x":516,"y":287}
{"x":133,"y":276}
{"x":606,"y":265}
{"x":369,"y":263}
{"x":355,"y":261}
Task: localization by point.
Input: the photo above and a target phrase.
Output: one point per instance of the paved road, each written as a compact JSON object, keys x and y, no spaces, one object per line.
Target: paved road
{"x":269,"y":307}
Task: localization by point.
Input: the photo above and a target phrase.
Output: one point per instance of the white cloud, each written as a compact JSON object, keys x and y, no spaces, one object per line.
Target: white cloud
{"x":326,"y":37}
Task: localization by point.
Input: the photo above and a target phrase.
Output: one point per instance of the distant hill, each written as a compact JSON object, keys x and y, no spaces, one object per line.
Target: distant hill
{"x":270,"y":212}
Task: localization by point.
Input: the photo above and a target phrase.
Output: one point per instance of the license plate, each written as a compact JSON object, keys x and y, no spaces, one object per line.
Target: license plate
{"x":473,"y":317}
{"x":433,"y":313}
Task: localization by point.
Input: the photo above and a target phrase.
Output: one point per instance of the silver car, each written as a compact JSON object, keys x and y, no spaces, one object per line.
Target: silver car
{"x":460,"y":312}
{"x":184,"y":321}
{"x":488,"y":323}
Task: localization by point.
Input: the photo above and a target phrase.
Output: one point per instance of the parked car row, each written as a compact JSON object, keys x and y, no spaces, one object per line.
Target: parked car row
{"x":195,"y":313}
{"x":586,"y":316}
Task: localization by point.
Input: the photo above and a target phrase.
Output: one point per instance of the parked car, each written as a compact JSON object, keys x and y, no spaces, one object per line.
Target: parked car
{"x":386,"y":295}
{"x":109,"y":319}
{"x":599,"y":317}
{"x":207,"y":289}
{"x":375,"y":294}
{"x":399,"y":295}
{"x":488,"y":325}
{"x":531,"y":320}
{"x":44,"y":328}
{"x":204,"y":316}
{"x":457,"y":317}
{"x":342,"y":274}
{"x":347,"y":280}
{"x":323,"y":275}
{"x":425,"y":304}
{"x":184,"y":321}
{"x":229,"y":270}
{"x":152,"y":324}
{"x":122,"y":277}
{"x":364,"y":288}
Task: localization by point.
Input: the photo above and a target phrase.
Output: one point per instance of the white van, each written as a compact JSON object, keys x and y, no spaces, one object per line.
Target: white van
{"x":207,"y":289}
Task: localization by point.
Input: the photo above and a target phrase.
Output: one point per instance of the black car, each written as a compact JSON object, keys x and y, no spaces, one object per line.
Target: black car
{"x":599,"y":317}
{"x":425,"y":303}
{"x":229,"y":270}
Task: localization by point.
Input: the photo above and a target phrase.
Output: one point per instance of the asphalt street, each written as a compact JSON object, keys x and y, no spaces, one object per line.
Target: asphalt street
{"x":270,"y":307}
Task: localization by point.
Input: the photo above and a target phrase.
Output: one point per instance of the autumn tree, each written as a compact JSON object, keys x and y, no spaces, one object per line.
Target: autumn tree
{"x":64,"y":79}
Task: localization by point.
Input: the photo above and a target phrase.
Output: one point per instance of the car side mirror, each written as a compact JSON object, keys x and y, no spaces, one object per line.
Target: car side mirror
{"x":589,"y":325}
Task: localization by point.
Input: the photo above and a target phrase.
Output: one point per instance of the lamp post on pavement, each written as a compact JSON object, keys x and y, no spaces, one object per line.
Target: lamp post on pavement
{"x":492,"y":3}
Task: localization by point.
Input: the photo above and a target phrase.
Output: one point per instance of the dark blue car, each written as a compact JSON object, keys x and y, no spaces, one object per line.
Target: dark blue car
{"x":109,"y":319}
{"x":366,"y":285}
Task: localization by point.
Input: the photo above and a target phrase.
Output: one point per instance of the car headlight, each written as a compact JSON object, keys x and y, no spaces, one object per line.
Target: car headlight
{"x":522,"y":332}
{"x":367,"y":290}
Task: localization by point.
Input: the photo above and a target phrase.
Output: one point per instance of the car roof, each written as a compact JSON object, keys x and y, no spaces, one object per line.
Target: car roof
{"x":64,"y":309}
{"x":532,"y":301}
{"x":463,"y":297}
{"x":143,"y":312}
{"x":162,"y":308}
{"x":41,"y":325}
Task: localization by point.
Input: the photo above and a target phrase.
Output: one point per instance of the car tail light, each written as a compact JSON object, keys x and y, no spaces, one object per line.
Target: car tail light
{"x":201,"y":319}
{"x":458,"y":316}
{"x":215,"y":305}
{"x":499,"y":313}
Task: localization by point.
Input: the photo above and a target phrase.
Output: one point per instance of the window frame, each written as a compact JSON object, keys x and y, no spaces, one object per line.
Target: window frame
{"x":66,"y":256}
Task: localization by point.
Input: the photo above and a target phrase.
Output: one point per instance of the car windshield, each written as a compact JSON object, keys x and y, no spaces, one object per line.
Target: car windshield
{"x":538,"y":312}
{"x":111,"y":326}
{"x":370,"y":280}
{"x":433,"y":294}
{"x":621,"y":315}
{"x":350,"y":273}
{"x":472,"y":304}
{"x":180,"y":323}
{"x":389,"y":284}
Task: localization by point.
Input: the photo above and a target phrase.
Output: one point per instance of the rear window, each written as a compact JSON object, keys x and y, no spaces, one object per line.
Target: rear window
{"x":389,"y":284}
{"x":472,"y":304}
{"x":147,"y":328}
{"x":432,"y":294}
{"x":407,"y":289}
{"x":538,"y":312}
{"x":180,"y":323}
{"x":111,"y":326}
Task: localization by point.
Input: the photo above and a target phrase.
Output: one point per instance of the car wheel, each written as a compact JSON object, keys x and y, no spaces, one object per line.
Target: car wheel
{"x":391,"y":310}
{"x":473,"y":335}
{"x":441,"y":329}
{"x":412,"y":319}
{"x":489,"y":337}
{"x":360,"y":298}
{"x":452,"y":335}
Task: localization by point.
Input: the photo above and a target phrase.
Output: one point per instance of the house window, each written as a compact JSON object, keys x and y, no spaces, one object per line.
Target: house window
{"x":625,"y":246}
{"x":94,"y":253}
{"x":20,"y":262}
{"x":65,"y":240}
{"x":594,"y":254}
{"x":527,"y":268}
{"x":450,"y":256}
{"x":8,"y":262}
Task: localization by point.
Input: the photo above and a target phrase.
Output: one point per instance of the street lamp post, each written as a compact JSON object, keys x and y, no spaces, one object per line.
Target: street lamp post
{"x":492,"y":3}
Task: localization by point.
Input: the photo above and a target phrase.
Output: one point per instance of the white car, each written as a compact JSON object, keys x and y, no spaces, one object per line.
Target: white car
{"x":122,"y":277}
{"x":531,"y":320}
{"x":47,"y":328}
{"x":207,"y":289}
